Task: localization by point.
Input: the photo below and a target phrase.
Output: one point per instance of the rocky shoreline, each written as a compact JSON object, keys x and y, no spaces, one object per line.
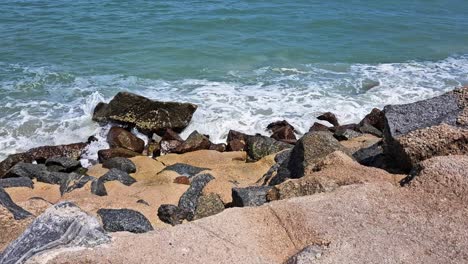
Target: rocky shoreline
{"x":389,"y":189}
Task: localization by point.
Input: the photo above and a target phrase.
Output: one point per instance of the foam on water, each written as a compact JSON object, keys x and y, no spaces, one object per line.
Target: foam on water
{"x":47,"y":106}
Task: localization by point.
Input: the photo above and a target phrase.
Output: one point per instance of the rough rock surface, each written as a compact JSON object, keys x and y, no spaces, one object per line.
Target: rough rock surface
{"x":118,"y":175}
{"x":375,"y":118}
{"x":308,"y":255}
{"x":17,"y":212}
{"x":259,"y":146}
{"x":119,"y":137}
{"x":249,"y":196}
{"x":185,"y":169}
{"x":105,"y":154}
{"x":116,"y":220}
{"x":329,"y":117}
{"x":172,"y":214}
{"x":312,"y":147}
{"x":120,"y":163}
{"x":208,"y":205}
{"x":189,"y":200}
{"x":73,"y":181}
{"x":146,"y":115}
{"x":318,"y":127}
{"x":63,"y":225}
{"x":68,"y":164}
{"x":41,"y":154}
{"x":16,"y":182}
{"x":194,"y":142}
{"x":98,"y":188}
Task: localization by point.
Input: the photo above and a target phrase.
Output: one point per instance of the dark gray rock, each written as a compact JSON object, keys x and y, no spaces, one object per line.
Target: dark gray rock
{"x":62,"y":225}
{"x":146,"y":115}
{"x":98,"y":188}
{"x":68,"y":164}
{"x":372,"y":156}
{"x":346,"y":134}
{"x":184,"y":169}
{"x":41,"y":154}
{"x":16,"y":182}
{"x":172,"y":214}
{"x":116,"y":220}
{"x":249,"y":196}
{"x":308,"y":255}
{"x":17,"y":212}
{"x":120,"y":163}
{"x":259,"y":146}
{"x":73,"y":181}
{"x":118,"y":175}
{"x":375,"y":118}
{"x":369,"y":129}
{"x":189,"y":200}
{"x":311,"y":148}
{"x":281,"y":159}
{"x":28,"y":170}
{"x":53,"y":177}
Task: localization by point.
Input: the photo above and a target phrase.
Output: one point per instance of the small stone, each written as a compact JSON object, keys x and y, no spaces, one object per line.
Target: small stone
{"x":17,"y":212}
{"x":307,"y":255}
{"x":221,"y":147}
{"x":329,"y":117}
{"x":346,"y":134}
{"x":318,"y":127}
{"x":184,"y":169}
{"x":182,"y":180}
{"x":172,"y":214}
{"x":118,"y":175}
{"x":73,"y":181}
{"x":141,"y":201}
{"x":66,"y":163}
{"x":188,"y":201}
{"x":105,"y":154}
{"x":194,"y":142}
{"x":120,"y":163}
{"x":121,"y":138}
{"x":208,"y":205}
{"x":16,"y":182}
{"x":98,"y":188}
{"x":278,"y":125}
{"x":168,"y":146}
{"x":249,"y":196}
{"x":375,"y":118}
{"x":116,"y":220}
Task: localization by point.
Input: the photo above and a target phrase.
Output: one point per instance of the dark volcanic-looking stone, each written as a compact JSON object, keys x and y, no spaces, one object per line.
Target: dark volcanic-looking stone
{"x":118,"y":175}
{"x":17,"y":212}
{"x":41,"y":154}
{"x":329,"y":117}
{"x":116,"y":220}
{"x":29,"y":170}
{"x":259,"y":146}
{"x":73,"y":181}
{"x":53,"y":177}
{"x":346,"y":134}
{"x":194,"y":142}
{"x":146,"y":115}
{"x":208,"y":205}
{"x":184,"y":169}
{"x":312,"y":147}
{"x":120,"y":163}
{"x":375,"y":118}
{"x":172,"y":214}
{"x":68,"y":164}
{"x":16,"y":182}
{"x":369,"y":129}
{"x":405,"y":123}
{"x":249,"y":196}
{"x":105,"y":154}
{"x":188,"y":201}
{"x":371,"y":156}
{"x":121,"y":138}
{"x":279,"y":169}
{"x":62,"y":225}
{"x":98,"y":188}
{"x":318,"y":127}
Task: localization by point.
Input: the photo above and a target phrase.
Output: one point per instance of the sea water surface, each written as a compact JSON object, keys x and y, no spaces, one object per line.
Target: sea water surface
{"x":245,"y":63}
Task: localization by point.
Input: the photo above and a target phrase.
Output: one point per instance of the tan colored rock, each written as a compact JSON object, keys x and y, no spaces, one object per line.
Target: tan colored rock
{"x":360,"y":142}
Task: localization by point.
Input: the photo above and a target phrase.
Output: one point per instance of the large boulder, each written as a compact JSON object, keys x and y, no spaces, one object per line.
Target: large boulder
{"x":41,"y":154}
{"x":194,"y":142}
{"x":146,"y":115}
{"x":116,"y":220}
{"x":189,"y":200}
{"x":63,"y":225}
{"x":414,"y":132}
{"x":311,"y":148}
{"x":259,"y":146}
{"x":121,"y":138}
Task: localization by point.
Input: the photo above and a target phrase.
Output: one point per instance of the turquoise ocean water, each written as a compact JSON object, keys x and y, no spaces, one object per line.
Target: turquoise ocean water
{"x":246,"y":63}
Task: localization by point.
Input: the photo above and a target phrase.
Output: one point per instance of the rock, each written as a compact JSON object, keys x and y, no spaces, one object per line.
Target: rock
{"x":188,"y":201}
{"x":259,"y":146}
{"x":169,"y":134}
{"x":236,"y":141}
{"x":41,"y":154}
{"x":371,"y":156}
{"x":141,"y":201}
{"x":208,"y":205}
{"x":53,"y":177}
{"x":249,"y":196}
{"x":184,"y":169}
{"x":279,"y":124}
{"x":329,"y":117}
{"x":73,"y":181}
{"x":311,"y":148}
{"x":221,"y":147}
{"x":194,"y":142}
{"x":278,"y":172}
{"x":285,"y":134}
{"x":153,"y":149}
{"x":146,"y":115}
{"x":426,"y":143}
{"x":98,"y":188}
{"x":307,"y":255}
{"x":346,"y":134}
{"x":105,"y":154}
{"x":120,"y":163}
{"x":17,"y":212}
{"x":172,"y":214}
{"x":63,"y":225}
{"x":68,"y":164}
{"x":28,"y":170}
{"x":439,"y":121}
{"x":182,"y":180}
{"x":116,"y":220}
{"x":16,"y":182}
{"x":168,"y":146}
{"x":375,"y":118}
{"x":369,"y":129}
{"x":121,"y":138}
{"x":318,"y":127}
{"x":118,"y":175}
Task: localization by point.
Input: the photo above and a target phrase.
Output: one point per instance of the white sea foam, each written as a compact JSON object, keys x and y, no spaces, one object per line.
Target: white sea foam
{"x":59,"y":111}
